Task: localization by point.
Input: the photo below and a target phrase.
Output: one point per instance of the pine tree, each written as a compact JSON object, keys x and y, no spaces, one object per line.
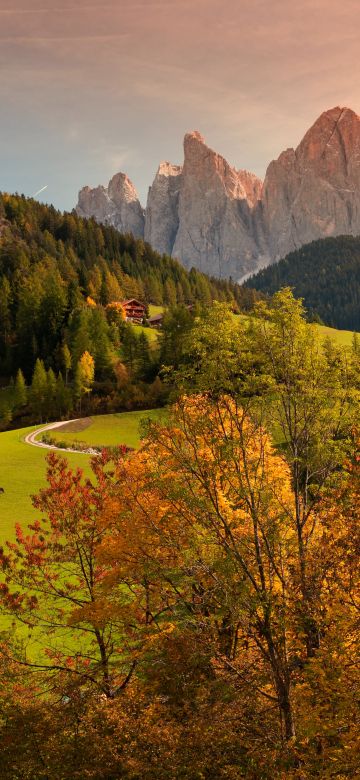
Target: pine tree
{"x":129,"y":345}
{"x":63,"y":400}
{"x":66,"y":361}
{"x":143,"y":357}
{"x":51,"y":392}
{"x":38,"y":390}
{"x":102,"y":348}
{"x":20,"y":390}
{"x":170,"y":292}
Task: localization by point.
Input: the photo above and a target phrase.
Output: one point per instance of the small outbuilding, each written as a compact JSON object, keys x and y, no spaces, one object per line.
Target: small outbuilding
{"x":156,"y":321}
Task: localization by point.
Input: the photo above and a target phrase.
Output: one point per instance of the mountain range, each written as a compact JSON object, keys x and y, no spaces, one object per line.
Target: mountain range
{"x":227,"y":222}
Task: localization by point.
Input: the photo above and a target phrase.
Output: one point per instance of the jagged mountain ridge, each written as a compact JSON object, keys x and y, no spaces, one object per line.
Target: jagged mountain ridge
{"x":227,"y":222}
{"x":116,"y":205}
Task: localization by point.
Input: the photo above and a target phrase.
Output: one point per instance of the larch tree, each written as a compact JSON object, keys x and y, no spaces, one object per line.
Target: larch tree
{"x":38,"y":389}
{"x":20,"y":390}
{"x":66,"y":361}
{"x":84,"y":376}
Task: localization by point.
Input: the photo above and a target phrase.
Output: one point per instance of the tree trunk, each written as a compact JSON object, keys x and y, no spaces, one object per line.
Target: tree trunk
{"x":104,"y":664}
{"x":286,"y":711}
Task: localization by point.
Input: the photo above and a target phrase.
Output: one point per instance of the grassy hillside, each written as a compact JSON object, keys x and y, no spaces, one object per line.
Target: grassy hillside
{"x":22,"y":473}
{"x":342,"y":337}
{"x":151,"y":334}
{"x":107,"y":429}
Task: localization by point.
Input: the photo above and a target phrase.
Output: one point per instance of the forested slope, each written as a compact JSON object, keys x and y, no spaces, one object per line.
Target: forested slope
{"x":326,"y":274}
{"x":50,"y":263}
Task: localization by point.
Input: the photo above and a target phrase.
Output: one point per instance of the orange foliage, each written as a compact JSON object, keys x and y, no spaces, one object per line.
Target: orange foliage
{"x":190,"y":549}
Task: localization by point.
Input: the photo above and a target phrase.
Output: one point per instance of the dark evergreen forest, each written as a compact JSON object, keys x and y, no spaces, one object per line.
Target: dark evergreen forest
{"x":326,"y":274}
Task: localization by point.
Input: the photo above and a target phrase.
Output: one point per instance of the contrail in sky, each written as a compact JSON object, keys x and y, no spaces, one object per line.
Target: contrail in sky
{"x":42,"y":190}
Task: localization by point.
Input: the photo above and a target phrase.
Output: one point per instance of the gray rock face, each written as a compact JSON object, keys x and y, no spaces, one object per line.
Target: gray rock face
{"x":225,"y":221}
{"x":117,"y":205}
{"x":215,"y":232}
{"x":162,"y":210}
{"x":314,"y":191}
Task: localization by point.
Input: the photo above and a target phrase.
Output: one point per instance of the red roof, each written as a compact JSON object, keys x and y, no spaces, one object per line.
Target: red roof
{"x":133,"y":301}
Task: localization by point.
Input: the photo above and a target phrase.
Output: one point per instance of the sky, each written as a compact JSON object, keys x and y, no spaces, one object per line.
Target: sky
{"x":91,"y":88}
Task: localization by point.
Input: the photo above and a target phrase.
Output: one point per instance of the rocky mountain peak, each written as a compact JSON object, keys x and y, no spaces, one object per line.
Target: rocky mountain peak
{"x":117,"y":205}
{"x":120,"y":189}
{"x":251,"y":185}
{"x":194,"y":136}
{"x":335,"y":132}
{"x":168,"y":169}
{"x":226,"y":221}
{"x":201,"y":161}
{"x":314,"y":192}
{"x":162,"y":219}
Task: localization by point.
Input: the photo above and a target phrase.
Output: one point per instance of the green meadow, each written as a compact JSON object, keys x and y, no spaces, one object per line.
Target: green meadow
{"x":342,"y":337}
{"x":151,"y":334}
{"x":22,"y":473}
{"x":109,"y":430}
{"x":23,"y":467}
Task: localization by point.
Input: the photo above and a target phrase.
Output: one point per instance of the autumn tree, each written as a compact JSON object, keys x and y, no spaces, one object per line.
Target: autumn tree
{"x":312,"y":403}
{"x":170,"y":584}
{"x":53,"y":583}
{"x":211,"y":543}
{"x":84,"y":377}
{"x":303,"y":390}
{"x":115,"y":313}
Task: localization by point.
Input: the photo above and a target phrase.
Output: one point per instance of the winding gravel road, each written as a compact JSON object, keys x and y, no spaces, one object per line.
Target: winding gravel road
{"x":31,"y":438}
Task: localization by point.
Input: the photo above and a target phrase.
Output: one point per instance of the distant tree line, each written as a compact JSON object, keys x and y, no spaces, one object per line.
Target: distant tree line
{"x":326,"y":274}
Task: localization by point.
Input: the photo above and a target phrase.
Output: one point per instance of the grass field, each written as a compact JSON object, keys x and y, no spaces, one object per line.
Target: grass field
{"x":22,"y":473}
{"x":153,"y":310}
{"x":22,"y":467}
{"x":151,"y":334}
{"x":107,"y":429}
{"x":342,"y":337}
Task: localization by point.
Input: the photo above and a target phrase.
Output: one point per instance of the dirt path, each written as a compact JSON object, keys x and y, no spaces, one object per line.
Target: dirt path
{"x":31,"y":438}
